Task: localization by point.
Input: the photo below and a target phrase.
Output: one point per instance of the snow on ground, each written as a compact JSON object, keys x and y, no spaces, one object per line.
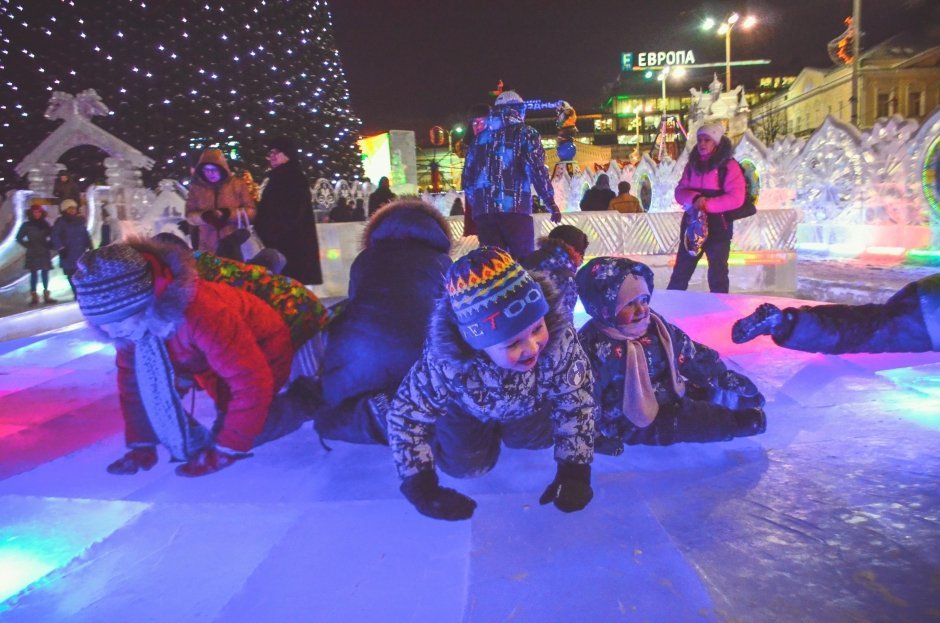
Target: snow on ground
{"x":832,"y":515}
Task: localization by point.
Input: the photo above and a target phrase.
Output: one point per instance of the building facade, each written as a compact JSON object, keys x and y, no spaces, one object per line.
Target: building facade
{"x":898,"y":77}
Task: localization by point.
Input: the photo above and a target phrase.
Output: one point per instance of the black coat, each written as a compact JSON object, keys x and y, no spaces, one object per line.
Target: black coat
{"x":285,"y":222}
{"x":393,"y":284}
{"x":379,"y":198}
{"x":36,"y":236}
{"x":596,"y":199}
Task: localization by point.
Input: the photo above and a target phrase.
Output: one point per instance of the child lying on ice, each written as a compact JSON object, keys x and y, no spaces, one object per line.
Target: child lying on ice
{"x":653,"y":385}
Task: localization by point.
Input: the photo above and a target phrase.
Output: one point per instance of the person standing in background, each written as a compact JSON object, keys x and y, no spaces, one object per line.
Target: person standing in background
{"x":36,"y":236}
{"x":599,"y":196}
{"x":624,"y":202}
{"x":70,"y":237}
{"x":382,"y":195}
{"x":285,"y":218}
{"x":702,"y":189}
{"x":505,"y":161}
{"x":215,"y":196}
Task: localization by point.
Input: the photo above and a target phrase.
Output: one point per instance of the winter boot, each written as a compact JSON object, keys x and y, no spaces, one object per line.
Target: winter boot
{"x":762,"y":321}
{"x":33,"y":299}
{"x":133,"y":461}
{"x":47,"y":298}
{"x":750,"y":422}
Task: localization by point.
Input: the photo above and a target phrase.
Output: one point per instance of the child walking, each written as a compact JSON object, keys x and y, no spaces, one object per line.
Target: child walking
{"x":36,"y":235}
{"x":501,"y":365}
{"x":653,"y":384}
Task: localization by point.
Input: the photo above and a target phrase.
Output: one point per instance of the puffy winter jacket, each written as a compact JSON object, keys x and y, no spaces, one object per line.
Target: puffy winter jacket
{"x":449,"y":372}
{"x":701,"y":178}
{"x":230,"y":193}
{"x":235,"y":345}
{"x":505,"y":161}
{"x":393,"y":285}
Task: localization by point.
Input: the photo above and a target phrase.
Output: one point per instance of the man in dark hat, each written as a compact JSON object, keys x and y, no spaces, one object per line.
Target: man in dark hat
{"x":285,"y":218}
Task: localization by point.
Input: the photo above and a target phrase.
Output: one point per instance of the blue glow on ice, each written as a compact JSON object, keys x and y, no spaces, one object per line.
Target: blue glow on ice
{"x":918,"y":393}
{"x":40,"y":535}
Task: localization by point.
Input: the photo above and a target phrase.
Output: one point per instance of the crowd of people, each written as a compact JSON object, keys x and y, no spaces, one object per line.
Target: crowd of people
{"x":443,"y":362}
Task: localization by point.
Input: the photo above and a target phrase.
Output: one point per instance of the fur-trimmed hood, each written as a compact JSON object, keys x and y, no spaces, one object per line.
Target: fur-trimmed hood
{"x":215,"y":157}
{"x":444,"y":336}
{"x":408,"y":219}
{"x":724,"y":152}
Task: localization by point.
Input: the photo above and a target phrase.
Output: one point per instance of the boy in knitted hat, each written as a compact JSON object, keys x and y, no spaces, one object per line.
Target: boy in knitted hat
{"x":560,"y":256}
{"x":500,"y":365}
{"x":652,"y":383}
{"x":170,"y":328}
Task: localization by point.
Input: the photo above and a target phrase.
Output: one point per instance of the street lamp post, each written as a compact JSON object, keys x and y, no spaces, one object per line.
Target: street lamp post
{"x":725,"y":30}
{"x":662,"y":78}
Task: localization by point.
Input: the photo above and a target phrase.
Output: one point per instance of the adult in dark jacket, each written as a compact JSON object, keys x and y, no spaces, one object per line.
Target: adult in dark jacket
{"x":700,"y":189}
{"x":504,"y":163}
{"x":36,"y":236}
{"x":65,"y":187}
{"x":382,"y":195}
{"x":285,"y":218}
{"x":907,"y":322}
{"x":378,"y":335}
{"x":70,"y":237}
{"x":597,"y":198}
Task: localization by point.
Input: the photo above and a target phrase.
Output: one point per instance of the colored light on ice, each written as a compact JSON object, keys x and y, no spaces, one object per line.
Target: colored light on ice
{"x":40,"y":535}
{"x":20,"y":568}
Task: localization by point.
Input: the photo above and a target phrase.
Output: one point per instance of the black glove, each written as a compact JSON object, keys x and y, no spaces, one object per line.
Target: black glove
{"x":208,"y":461}
{"x":571,"y":490}
{"x":556,"y":213}
{"x":764,"y":320}
{"x":433,"y":500}
{"x":226,"y":214}
{"x":211,"y":217}
{"x":184,"y":227}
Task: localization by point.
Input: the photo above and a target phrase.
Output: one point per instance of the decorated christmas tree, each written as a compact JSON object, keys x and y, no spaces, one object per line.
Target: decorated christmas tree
{"x":178,"y":77}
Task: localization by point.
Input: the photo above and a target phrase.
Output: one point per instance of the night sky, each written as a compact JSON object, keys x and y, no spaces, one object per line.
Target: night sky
{"x":416,"y":63}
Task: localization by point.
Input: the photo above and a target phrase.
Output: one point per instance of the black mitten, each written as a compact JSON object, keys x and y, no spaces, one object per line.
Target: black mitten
{"x":208,"y":461}
{"x":571,"y":490}
{"x":211,"y":217}
{"x":763,"y":321}
{"x":431,"y":499}
{"x":184,"y":227}
{"x":749,"y":422}
{"x":226,"y":214}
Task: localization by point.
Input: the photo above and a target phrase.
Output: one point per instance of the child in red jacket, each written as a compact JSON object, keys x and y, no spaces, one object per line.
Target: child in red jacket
{"x":172,"y":328}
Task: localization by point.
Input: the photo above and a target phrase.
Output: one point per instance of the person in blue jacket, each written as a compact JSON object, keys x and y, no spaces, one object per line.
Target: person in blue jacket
{"x":70,"y":237}
{"x":907,"y":322}
{"x":503,"y":164}
{"x":379,"y":330}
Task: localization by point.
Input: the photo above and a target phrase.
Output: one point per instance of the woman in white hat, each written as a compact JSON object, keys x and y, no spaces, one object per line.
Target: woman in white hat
{"x":712,"y":183}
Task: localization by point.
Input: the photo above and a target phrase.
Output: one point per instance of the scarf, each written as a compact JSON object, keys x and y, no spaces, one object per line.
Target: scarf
{"x":639,"y":399}
{"x":157,"y":387}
